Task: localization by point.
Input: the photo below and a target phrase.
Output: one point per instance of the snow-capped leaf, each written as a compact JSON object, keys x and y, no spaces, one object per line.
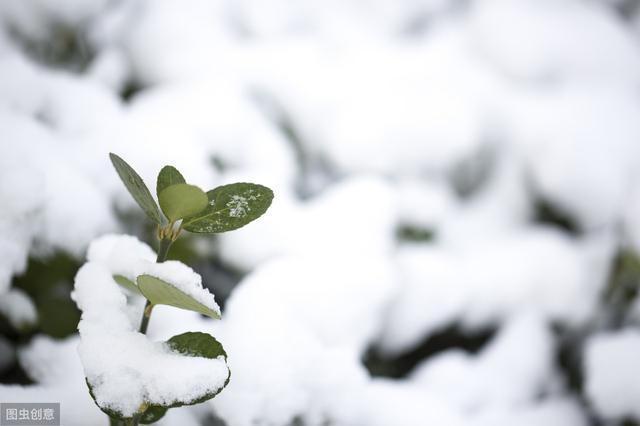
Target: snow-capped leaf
{"x":167,"y":177}
{"x":160,"y":292}
{"x":182,"y":200}
{"x":197,"y":344}
{"x":230,"y":207}
{"x":136,"y":187}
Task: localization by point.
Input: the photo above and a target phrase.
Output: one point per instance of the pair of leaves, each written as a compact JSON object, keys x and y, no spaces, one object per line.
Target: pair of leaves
{"x":160,"y":292}
{"x":193,"y":344}
{"x":222,"y":209}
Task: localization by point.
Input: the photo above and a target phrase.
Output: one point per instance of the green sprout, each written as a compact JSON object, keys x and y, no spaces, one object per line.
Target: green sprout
{"x":183,"y":206}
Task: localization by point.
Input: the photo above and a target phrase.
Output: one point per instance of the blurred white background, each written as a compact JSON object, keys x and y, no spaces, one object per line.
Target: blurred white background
{"x":454,"y":235}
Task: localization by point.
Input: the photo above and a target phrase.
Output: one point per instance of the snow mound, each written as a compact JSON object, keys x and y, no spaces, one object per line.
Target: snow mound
{"x":123,"y":367}
{"x":122,"y":254}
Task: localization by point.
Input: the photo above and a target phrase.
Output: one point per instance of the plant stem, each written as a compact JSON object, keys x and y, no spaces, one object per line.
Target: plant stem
{"x":131,"y":422}
{"x":163,"y":251}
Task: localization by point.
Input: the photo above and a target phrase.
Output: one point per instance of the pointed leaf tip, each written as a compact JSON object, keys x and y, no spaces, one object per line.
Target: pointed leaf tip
{"x":136,"y":187}
{"x":160,"y":292}
{"x":168,"y":176}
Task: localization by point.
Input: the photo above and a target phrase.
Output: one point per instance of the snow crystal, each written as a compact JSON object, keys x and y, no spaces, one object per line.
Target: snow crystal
{"x":238,"y":206}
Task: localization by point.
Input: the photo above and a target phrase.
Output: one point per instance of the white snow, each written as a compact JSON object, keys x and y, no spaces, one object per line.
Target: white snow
{"x":125,"y":368}
{"x":55,"y":366}
{"x":184,"y":279}
{"x":513,"y":369}
{"x":391,"y":107}
{"x":127,"y":256}
{"x":16,"y":306}
{"x":610,"y":362}
{"x":122,"y":254}
{"x":483,"y":282}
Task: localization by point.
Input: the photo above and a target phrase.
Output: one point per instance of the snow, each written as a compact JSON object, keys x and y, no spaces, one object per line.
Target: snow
{"x":610,"y":360}
{"x":127,"y":256}
{"x":122,"y":254}
{"x":55,"y":365}
{"x":559,"y":42}
{"x":16,"y":306}
{"x":512,"y":370}
{"x":184,"y":279}
{"x":359,"y":213}
{"x":238,"y":206}
{"x":456,"y":118}
{"x":124,"y":368}
{"x":479,"y":284}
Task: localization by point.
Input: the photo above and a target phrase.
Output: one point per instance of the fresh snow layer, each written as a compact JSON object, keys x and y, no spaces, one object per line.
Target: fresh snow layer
{"x":127,"y":256}
{"x":122,"y":254}
{"x":184,"y":279}
{"x":125,"y":368}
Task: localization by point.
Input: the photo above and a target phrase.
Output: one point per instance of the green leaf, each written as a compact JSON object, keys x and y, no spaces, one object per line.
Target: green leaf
{"x":126,"y":283}
{"x":230,"y":207}
{"x":193,"y":344}
{"x":160,"y":292}
{"x":168,"y":176}
{"x":136,"y":187}
{"x":153,"y":414}
{"x":182,"y":200}
{"x":198,"y":344}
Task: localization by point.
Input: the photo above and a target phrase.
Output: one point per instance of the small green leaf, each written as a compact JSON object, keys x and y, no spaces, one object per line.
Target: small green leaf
{"x":153,"y":414}
{"x":126,"y":283}
{"x":230,"y":207}
{"x":160,"y":292}
{"x":182,"y":200}
{"x":167,"y":177}
{"x":136,"y":187}
{"x":198,"y":344}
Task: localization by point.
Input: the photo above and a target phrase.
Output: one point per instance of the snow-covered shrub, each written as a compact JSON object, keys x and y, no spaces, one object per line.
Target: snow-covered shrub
{"x":130,"y":377}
